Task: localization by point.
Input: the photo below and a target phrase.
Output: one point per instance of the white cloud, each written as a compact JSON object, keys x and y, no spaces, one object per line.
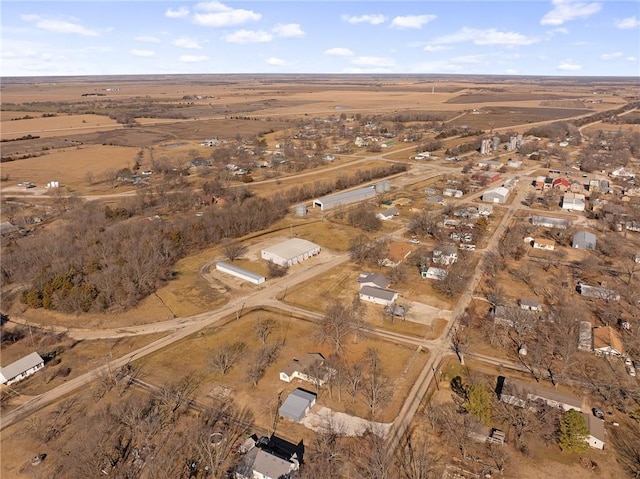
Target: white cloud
{"x":626,"y":23}
{"x":60,"y":26}
{"x":412,"y":21}
{"x":193,"y":59}
{"x":218,"y":15}
{"x":632,"y":59}
{"x":181,"y":12}
{"x":373,"y":61}
{"x":373,"y":19}
{"x":186,"y":43}
{"x":143,"y":53}
{"x":489,"y":36}
{"x":277,"y":61}
{"x":339,"y":52}
{"x":570,"y":67}
{"x":566,"y":10}
{"x":435,"y":48}
{"x":147,"y":39}
{"x":288,"y":30}
{"x":610,"y":56}
{"x":248,"y":36}
{"x":560,"y":30}
{"x":512,"y":71}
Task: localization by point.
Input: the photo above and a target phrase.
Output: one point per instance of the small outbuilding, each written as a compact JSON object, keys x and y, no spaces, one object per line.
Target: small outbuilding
{"x":240,"y":273}
{"x":21,"y":369}
{"x":297,"y":404}
{"x":290,"y":252}
{"x":584,"y":240}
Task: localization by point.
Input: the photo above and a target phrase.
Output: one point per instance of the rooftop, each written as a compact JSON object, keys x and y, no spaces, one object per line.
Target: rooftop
{"x":21,"y":365}
{"x":291,"y":248}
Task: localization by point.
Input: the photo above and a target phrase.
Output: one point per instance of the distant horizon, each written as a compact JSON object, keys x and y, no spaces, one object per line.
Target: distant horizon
{"x":557,"y":38}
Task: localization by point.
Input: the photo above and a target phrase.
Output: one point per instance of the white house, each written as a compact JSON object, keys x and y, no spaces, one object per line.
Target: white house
{"x":375,"y":295}
{"x":541,"y":243}
{"x":573,"y":202}
{"x":310,"y":368}
{"x":434,"y":273}
{"x":21,"y":369}
{"x":388,"y":213}
{"x":290,"y":252}
{"x":446,"y":254}
{"x":452,"y":192}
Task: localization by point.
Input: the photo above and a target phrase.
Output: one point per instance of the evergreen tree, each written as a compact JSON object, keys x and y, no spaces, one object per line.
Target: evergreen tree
{"x":574,"y":432}
{"x":479,"y":403}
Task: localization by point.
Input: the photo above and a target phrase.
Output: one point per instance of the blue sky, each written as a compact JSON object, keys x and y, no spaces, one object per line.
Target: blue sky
{"x":534,"y":37}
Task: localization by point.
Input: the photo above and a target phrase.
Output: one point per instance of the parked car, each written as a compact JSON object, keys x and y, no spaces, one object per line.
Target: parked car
{"x":627,"y":362}
{"x":632,"y":371}
{"x":598,"y":413}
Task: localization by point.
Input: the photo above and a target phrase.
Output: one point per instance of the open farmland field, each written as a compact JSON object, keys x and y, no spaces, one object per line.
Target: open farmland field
{"x":503,"y":116}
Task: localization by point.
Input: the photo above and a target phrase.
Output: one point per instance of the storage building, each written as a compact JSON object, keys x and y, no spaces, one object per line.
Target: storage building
{"x":290,"y":252}
{"x":240,"y":273}
{"x":21,"y":369}
{"x":345,"y":198}
{"x":297,"y":405}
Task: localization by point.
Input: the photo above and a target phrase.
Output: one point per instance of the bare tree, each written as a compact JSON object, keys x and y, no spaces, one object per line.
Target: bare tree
{"x":372,"y":460}
{"x":227,"y":354}
{"x":276,"y":270}
{"x":263,"y":328}
{"x":335,"y":326}
{"x":263,"y":358}
{"x":377,"y":388}
{"x":416,"y":458}
{"x":234,"y":250}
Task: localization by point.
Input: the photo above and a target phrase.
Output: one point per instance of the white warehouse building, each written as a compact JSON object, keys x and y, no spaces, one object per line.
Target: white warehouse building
{"x":240,"y":273}
{"x":345,"y":198}
{"x":290,"y":252}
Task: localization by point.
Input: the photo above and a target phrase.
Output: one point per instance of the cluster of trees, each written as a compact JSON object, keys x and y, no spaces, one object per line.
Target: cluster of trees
{"x":364,"y":216}
{"x":164,"y":434}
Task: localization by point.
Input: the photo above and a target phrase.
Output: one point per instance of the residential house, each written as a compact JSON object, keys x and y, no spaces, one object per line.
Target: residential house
{"x":514,"y":163}
{"x":596,"y":438}
{"x":530,"y":304}
{"x":573,"y":202}
{"x":452,"y":192}
{"x":297,"y":404}
{"x":375,"y":280}
{"x":521,"y":394}
{"x":436,"y":199}
{"x":21,"y":369}
{"x":510,"y":316}
{"x":598,"y":292}
{"x":485,"y":210}
{"x":541,"y":243}
{"x":378,"y":295}
{"x":577,"y":187}
{"x":270,"y":458}
{"x":607,"y":342}
{"x":490,"y":164}
{"x":622,"y":172}
{"x":584,"y":240}
{"x":496,"y":195}
{"x":433,"y":273}
{"x":487,"y":176}
{"x":388,"y":213}
{"x":561,"y":183}
{"x":310,"y":368}
{"x":539,"y":182}
{"x":7,"y":228}
{"x":633,"y":226}
{"x":446,"y":254}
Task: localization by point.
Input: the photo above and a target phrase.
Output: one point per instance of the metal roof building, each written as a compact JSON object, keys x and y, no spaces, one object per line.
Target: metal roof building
{"x":240,"y":273}
{"x":21,"y":368}
{"x":297,"y":405}
{"x":584,"y":240}
{"x":290,"y":252}
{"x":345,"y":198}
{"x":549,"y":222}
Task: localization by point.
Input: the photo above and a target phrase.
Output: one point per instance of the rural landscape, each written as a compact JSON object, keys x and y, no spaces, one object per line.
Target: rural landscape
{"x":320,"y":276}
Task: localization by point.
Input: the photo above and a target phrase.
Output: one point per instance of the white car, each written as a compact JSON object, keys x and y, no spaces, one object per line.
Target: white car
{"x":414,"y":241}
{"x":628,"y":362}
{"x":632,"y":371}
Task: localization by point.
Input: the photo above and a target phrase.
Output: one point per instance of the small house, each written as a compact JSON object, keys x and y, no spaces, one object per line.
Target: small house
{"x":375,"y":295}
{"x":375,"y":280}
{"x":541,"y":243}
{"x":388,"y":213}
{"x":310,"y":368}
{"x":595,"y":425}
{"x":433,"y":273}
{"x":530,"y":305}
{"x":573,"y":202}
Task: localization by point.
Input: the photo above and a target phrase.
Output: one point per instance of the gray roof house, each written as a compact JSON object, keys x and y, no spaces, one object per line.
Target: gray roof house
{"x":21,"y":369}
{"x":530,"y":304}
{"x":297,"y":405}
{"x":596,"y":437}
{"x":376,"y":280}
{"x":378,"y":295}
{"x":310,"y":368}
{"x":388,"y":213}
{"x":584,"y":240}
{"x":266,"y":464}
{"x":445,"y":254}
{"x":521,"y":394}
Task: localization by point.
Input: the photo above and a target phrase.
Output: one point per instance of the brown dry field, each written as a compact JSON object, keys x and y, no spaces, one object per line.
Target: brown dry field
{"x":54,"y":126}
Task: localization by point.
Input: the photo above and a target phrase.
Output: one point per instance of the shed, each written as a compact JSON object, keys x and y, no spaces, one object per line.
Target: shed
{"x":433,"y":273}
{"x":345,"y":198}
{"x":290,"y":252}
{"x":496,"y":195}
{"x":584,"y":240}
{"x":21,"y":369}
{"x":240,"y":273}
{"x":297,"y":405}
